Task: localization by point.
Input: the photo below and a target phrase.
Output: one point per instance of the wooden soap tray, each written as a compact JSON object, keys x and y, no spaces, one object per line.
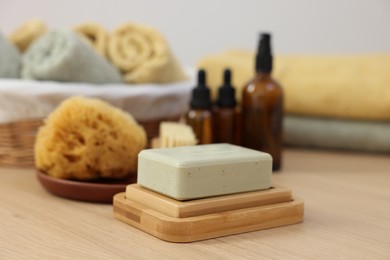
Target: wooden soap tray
{"x":187,"y":221}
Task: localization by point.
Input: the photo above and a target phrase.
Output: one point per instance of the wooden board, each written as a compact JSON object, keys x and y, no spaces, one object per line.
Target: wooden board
{"x":191,"y":208}
{"x":206,"y":226}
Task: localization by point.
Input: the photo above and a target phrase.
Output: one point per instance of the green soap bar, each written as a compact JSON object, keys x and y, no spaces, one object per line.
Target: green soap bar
{"x":192,"y":172}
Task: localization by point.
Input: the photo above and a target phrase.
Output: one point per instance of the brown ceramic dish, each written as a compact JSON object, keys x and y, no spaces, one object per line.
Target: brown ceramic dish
{"x":101,"y":191}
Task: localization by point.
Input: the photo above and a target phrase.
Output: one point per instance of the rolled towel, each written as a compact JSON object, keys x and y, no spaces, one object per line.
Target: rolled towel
{"x":355,"y":135}
{"x":27,"y":33}
{"x":143,"y":55}
{"x":63,"y":56}
{"x":10,"y":59}
{"x":317,"y":85}
{"x":94,"y":34}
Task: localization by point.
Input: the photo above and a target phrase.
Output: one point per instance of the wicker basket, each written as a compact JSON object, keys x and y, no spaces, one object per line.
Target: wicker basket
{"x":17,"y":140}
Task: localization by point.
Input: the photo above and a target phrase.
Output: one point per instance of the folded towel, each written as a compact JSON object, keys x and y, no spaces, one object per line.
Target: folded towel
{"x":27,"y":33}
{"x":10,"y":59}
{"x":337,"y":134}
{"x":94,"y":34}
{"x":342,"y":86}
{"x":143,"y":55}
{"x":64,"y":56}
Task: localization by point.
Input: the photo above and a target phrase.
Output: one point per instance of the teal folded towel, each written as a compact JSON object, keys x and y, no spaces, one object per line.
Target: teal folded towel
{"x":61,"y":55}
{"x":373,"y":136}
{"x":10,"y":59}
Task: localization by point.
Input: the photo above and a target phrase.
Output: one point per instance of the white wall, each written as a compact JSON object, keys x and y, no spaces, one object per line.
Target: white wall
{"x":195,"y":28}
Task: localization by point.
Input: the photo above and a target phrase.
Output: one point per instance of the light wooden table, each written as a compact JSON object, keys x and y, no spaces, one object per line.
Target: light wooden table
{"x":347,"y":216}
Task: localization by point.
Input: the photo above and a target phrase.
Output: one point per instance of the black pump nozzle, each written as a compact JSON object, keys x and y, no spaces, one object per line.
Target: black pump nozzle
{"x":264,"y":54}
{"x":226,"y":93}
{"x":201,"y":93}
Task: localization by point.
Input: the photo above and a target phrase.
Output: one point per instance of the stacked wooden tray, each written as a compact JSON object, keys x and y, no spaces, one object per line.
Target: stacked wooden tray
{"x":193,"y":220}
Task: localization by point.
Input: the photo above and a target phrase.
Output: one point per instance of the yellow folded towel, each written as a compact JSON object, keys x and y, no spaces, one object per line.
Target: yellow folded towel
{"x":143,"y":55}
{"x":28,"y":32}
{"x":94,"y":34}
{"x":341,"y":86}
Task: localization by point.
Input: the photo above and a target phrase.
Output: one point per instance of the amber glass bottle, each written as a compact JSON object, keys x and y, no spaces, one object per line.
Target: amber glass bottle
{"x":225,"y":113}
{"x":200,"y":117}
{"x":262,"y":107}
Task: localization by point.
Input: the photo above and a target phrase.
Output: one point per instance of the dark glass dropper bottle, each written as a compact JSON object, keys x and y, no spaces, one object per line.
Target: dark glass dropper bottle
{"x":262,"y":107}
{"x":225,"y":115}
{"x":200,"y":117}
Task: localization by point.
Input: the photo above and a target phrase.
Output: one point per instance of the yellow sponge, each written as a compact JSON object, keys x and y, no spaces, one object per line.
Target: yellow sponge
{"x":88,"y":139}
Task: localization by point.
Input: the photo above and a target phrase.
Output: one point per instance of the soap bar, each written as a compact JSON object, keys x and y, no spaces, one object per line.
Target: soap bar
{"x":192,"y":172}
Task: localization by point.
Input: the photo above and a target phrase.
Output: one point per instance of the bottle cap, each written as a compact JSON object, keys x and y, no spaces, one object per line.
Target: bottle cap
{"x":264,"y":54}
{"x":226,"y":93}
{"x":201,"y":93}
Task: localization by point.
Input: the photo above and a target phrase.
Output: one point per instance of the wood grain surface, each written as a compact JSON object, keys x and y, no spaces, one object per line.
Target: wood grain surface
{"x":191,"y":208}
{"x":347,"y":216}
{"x":207,"y":226}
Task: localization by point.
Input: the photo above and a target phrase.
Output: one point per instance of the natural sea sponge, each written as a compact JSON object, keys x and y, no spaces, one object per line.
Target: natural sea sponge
{"x":87,"y":139}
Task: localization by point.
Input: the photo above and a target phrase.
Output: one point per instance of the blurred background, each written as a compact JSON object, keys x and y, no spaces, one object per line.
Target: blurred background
{"x":335,"y":77}
{"x":196,"y":28}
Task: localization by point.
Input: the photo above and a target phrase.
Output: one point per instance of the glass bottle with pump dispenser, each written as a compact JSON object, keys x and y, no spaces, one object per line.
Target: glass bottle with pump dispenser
{"x":262,"y":107}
